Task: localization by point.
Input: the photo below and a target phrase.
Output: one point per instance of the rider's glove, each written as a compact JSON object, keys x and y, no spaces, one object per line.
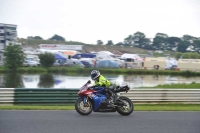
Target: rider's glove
{"x":90,"y":88}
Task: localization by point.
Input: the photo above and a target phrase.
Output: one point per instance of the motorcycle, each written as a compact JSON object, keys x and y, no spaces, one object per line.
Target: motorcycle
{"x":96,"y":100}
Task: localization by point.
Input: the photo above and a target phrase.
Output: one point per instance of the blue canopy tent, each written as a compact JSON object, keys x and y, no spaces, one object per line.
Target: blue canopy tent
{"x":59,"y":57}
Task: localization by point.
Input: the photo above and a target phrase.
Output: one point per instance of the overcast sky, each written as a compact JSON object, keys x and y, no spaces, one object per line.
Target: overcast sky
{"x":90,"y":20}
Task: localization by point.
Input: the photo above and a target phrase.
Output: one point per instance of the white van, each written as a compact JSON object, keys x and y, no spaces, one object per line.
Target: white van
{"x":32,"y":58}
{"x":36,"y":59}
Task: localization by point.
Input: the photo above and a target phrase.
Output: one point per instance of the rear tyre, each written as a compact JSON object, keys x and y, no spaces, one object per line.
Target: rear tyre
{"x":128,"y":108}
{"x":83,"y":109}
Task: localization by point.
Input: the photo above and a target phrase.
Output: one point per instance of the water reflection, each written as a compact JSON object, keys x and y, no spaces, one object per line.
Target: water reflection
{"x":76,"y":81}
{"x":46,"y":81}
{"x":12,"y":80}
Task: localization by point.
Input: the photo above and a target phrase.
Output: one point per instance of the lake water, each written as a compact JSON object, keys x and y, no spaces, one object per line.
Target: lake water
{"x":76,"y":81}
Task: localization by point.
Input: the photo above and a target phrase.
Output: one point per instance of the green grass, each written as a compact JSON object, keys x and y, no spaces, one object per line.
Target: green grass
{"x":167,"y":107}
{"x":137,"y":107}
{"x":35,"y":107}
{"x":193,"y":85}
{"x":124,"y":71}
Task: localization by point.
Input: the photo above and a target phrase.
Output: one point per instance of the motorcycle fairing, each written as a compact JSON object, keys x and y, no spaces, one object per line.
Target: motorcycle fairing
{"x":97,"y":100}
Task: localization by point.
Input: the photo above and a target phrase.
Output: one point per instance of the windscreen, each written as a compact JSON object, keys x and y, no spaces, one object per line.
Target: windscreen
{"x":83,"y":88}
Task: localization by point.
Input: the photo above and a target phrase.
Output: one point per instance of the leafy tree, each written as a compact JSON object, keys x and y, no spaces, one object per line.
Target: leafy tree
{"x":57,"y":38}
{"x":139,"y":35}
{"x":128,"y":40}
{"x":109,"y":42}
{"x":162,"y":35}
{"x":13,"y":80}
{"x":38,"y":37}
{"x":173,"y":41}
{"x":182,"y":46}
{"x":139,"y":39}
{"x":197,"y":43}
{"x":46,"y":81}
{"x":159,"y":41}
{"x":47,"y":59}
{"x":147,"y":44}
{"x":14,"y":57}
{"x":99,"y":42}
{"x":189,"y":38}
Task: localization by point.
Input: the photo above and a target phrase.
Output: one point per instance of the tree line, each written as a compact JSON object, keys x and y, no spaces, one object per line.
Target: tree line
{"x":53,"y":38}
{"x":161,"y":41}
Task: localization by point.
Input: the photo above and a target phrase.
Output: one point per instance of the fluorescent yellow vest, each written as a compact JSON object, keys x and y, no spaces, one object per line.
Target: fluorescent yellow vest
{"x":103,"y":81}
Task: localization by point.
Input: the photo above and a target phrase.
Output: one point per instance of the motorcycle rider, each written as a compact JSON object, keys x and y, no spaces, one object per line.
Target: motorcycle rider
{"x":100,"y":80}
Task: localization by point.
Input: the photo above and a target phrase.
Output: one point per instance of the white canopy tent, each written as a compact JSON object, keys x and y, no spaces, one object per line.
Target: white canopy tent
{"x":132,"y":60}
{"x":104,"y":55}
{"x":132,"y":56}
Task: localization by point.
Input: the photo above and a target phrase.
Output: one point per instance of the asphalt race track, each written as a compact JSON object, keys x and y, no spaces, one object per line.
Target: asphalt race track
{"x":72,"y":122}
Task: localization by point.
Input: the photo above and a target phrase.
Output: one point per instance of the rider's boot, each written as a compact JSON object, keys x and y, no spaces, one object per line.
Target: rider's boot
{"x":110,"y":104}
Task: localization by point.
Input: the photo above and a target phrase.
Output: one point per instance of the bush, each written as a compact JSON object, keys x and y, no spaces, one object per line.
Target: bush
{"x":47,"y":59}
{"x":14,"y":57}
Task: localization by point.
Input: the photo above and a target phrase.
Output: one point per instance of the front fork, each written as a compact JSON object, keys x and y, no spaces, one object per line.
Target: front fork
{"x":85,"y":101}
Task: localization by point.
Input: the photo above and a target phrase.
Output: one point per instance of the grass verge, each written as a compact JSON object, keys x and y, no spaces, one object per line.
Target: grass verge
{"x":36,"y":107}
{"x":167,"y":107}
{"x":125,"y":71}
{"x":137,"y":107}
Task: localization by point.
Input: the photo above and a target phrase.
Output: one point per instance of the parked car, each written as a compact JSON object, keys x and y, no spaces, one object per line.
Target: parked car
{"x":35,"y":58}
{"x":56,"y":63}
{"x":173,"y":67}
{"x":30,"y":63}
{"x":73,"y":63}
{"x":87,"y":63}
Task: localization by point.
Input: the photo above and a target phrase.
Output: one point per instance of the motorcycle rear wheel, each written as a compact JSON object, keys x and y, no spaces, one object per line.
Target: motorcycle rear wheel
{"x":128,"y":108}
{"x":83,"y":109}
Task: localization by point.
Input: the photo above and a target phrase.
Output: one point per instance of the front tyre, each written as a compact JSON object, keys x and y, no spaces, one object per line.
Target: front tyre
{"x":83,"y":109}
{"x":126,"y":109}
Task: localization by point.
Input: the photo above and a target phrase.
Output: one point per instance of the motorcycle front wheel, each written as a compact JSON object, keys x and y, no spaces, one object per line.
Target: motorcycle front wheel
{"x":83,"y":109}
{"x":127,"y":108}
